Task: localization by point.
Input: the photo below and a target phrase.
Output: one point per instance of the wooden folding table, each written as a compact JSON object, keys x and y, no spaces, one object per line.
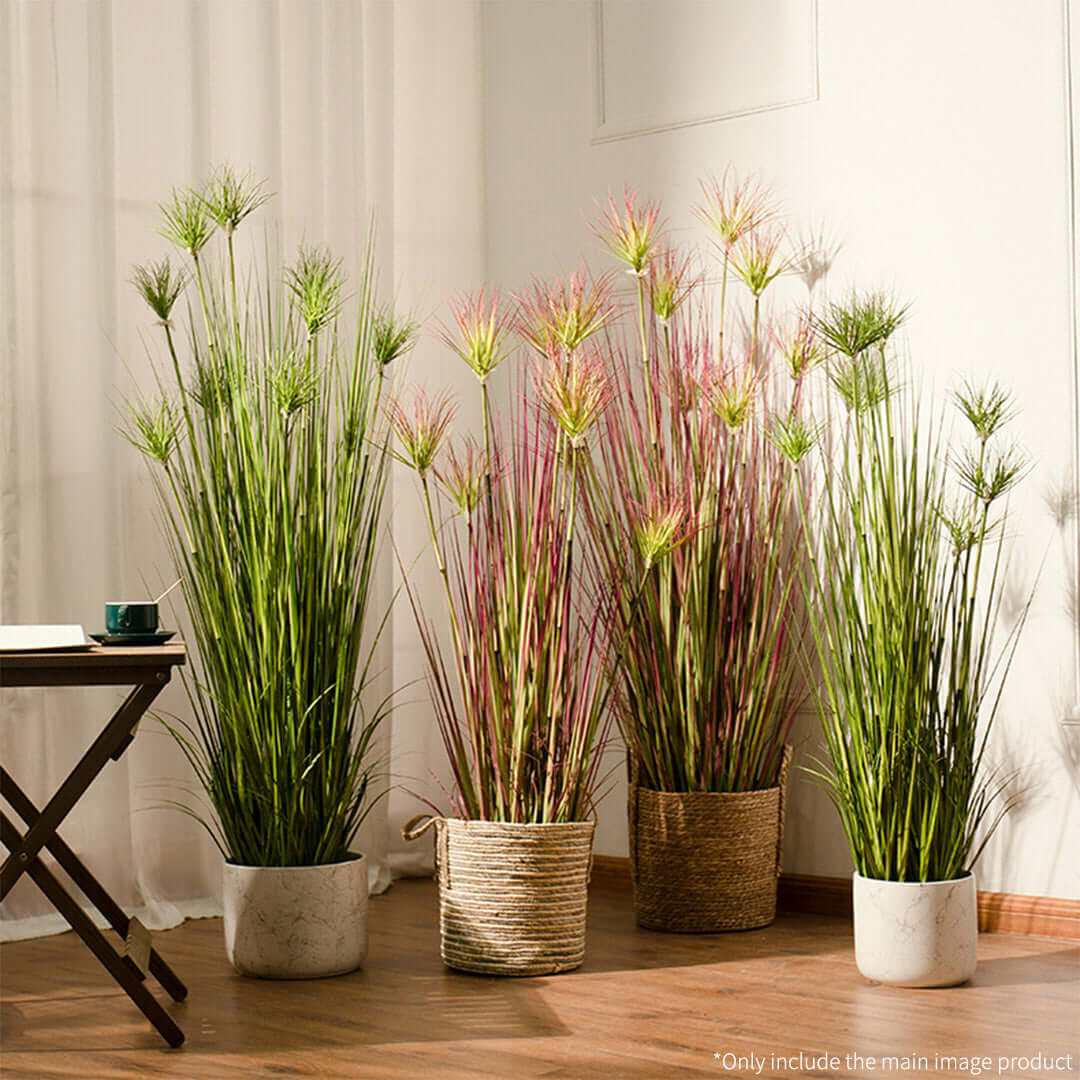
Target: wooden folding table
{"x":146,"y":670}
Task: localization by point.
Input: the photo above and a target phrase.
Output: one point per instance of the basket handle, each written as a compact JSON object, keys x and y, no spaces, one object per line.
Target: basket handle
{"x":415,"y":827}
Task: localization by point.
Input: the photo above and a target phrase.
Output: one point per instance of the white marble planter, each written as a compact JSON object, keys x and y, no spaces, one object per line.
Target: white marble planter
{"x":296,"y":922}
{"x":916,"y":933}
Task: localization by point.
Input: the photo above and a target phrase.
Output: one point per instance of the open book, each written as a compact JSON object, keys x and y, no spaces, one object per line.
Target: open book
{"x":42,"y":638}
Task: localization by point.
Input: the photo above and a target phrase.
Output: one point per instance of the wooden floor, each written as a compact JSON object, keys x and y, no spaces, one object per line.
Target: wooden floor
{"x":644,"y":1005}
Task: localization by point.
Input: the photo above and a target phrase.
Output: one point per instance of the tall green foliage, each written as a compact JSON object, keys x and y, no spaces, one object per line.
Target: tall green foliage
{"x":903,"y":603}
{"x":270,"y":450}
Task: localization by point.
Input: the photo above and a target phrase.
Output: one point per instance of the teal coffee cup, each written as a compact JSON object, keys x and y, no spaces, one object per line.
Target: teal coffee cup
{"x":131,"y":616}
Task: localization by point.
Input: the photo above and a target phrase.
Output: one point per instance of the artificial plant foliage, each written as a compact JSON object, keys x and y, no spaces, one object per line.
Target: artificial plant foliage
{"x":521,"y":688}
{"x":904,"y":594}
{"x":269,"y":452}
{"x":709,"y":679}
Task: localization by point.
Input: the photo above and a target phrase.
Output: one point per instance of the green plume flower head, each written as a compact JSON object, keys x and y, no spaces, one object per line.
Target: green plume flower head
{"x":794,"y":435}
{"x":630,"y":231}
{"x":393,"y":336}
{"x":294,"y":385}
{"x":154,"y":429}
{"x":228,"y":198}
{"x":860,"y":322}
{"x":421,"y":436}
{"x":315,"y":281}
{"x":964,"y":526}
{"x":185,"y":222}
{"x":160,"y":285}
{"x":989,"y":474}
{"x":987,"y":408}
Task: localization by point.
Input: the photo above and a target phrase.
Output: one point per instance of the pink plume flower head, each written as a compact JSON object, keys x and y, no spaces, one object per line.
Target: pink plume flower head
{"x":481,"y":331}
{"x":733,"y":208}
{"x":463,"y":476}
{"x":631,"y":231}
{"x":759,"y":258}
{"x":422,"y":435}
{"x":565,"y":313}
{"x":731,"y":393}
{"x":800,"y":347}
{"x":670,"y":281}
{"x":574,"y":392}
{"x":660,"y":526}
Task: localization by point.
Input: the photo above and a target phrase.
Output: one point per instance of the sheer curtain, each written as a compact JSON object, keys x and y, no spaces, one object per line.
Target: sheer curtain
{"x":105,"y":105}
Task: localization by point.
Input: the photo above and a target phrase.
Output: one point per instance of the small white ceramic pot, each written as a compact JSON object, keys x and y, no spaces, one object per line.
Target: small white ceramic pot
{"x":911,"y":933}
{"x":296,"y":922}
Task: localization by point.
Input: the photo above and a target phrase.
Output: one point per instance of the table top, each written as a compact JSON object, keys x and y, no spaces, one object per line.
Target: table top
{"x":102,"y":665}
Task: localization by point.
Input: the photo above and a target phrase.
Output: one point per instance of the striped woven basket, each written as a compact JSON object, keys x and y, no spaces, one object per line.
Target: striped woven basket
{"x":512,"y":897}
{"x":703,"y":862}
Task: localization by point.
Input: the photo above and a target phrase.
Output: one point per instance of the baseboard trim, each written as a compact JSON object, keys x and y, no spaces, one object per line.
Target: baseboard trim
{"x":999,"y":913}
{"x":1015,"y":913}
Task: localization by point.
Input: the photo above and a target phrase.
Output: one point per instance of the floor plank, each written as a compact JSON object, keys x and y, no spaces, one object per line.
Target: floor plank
{"x":645,"y":1005}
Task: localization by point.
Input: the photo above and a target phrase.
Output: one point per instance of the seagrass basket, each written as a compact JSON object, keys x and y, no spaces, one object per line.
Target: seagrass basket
{"x":512,"y":897}
{"x":704,"y":862}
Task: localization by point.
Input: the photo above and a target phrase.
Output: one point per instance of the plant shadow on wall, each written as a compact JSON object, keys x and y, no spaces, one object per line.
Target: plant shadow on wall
{"x":268,"y":451}
{"x":1036,"y":773}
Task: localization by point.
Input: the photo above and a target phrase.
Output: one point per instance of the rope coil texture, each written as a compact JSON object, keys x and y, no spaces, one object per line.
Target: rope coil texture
{"x":703,"y":862}
{"x":512,"y":897}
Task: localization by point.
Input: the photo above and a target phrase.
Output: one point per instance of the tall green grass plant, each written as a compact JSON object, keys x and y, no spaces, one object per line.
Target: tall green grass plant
{"x":904,"y":603}
{"x":269,"y":453}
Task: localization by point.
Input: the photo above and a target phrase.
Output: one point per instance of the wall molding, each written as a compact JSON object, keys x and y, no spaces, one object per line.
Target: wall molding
{"x":604,"y":131}
{"x":808,"y":894}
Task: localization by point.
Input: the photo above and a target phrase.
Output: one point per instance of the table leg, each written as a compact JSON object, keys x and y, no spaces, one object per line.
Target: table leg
{"x":111,"y":742}
{"x":90,"y":886}
{"x":95,"y":940}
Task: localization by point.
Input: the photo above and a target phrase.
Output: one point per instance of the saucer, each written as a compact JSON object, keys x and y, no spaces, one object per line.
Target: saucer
{"x":155,"y":637}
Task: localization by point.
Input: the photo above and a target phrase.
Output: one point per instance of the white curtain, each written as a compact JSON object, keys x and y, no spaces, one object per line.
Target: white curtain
{"x":105,"y":105}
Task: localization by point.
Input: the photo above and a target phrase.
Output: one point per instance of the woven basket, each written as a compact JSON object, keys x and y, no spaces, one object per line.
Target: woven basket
{"x":511,"y":897}
{"x":703,"y":862}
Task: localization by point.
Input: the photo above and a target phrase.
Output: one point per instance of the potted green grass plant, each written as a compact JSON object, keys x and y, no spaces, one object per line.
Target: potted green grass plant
{"x":904,"y":604}
{"x":520,"y":688}
{"x":269,"y":452}
{"x":709,"y":668}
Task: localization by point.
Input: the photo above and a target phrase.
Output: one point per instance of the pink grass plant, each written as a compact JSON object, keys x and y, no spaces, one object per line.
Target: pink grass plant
{"x":521,"y":692}
{"x":695,"y":500}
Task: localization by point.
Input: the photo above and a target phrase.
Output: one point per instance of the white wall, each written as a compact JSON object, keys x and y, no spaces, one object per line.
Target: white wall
{"x":936,"y":151}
